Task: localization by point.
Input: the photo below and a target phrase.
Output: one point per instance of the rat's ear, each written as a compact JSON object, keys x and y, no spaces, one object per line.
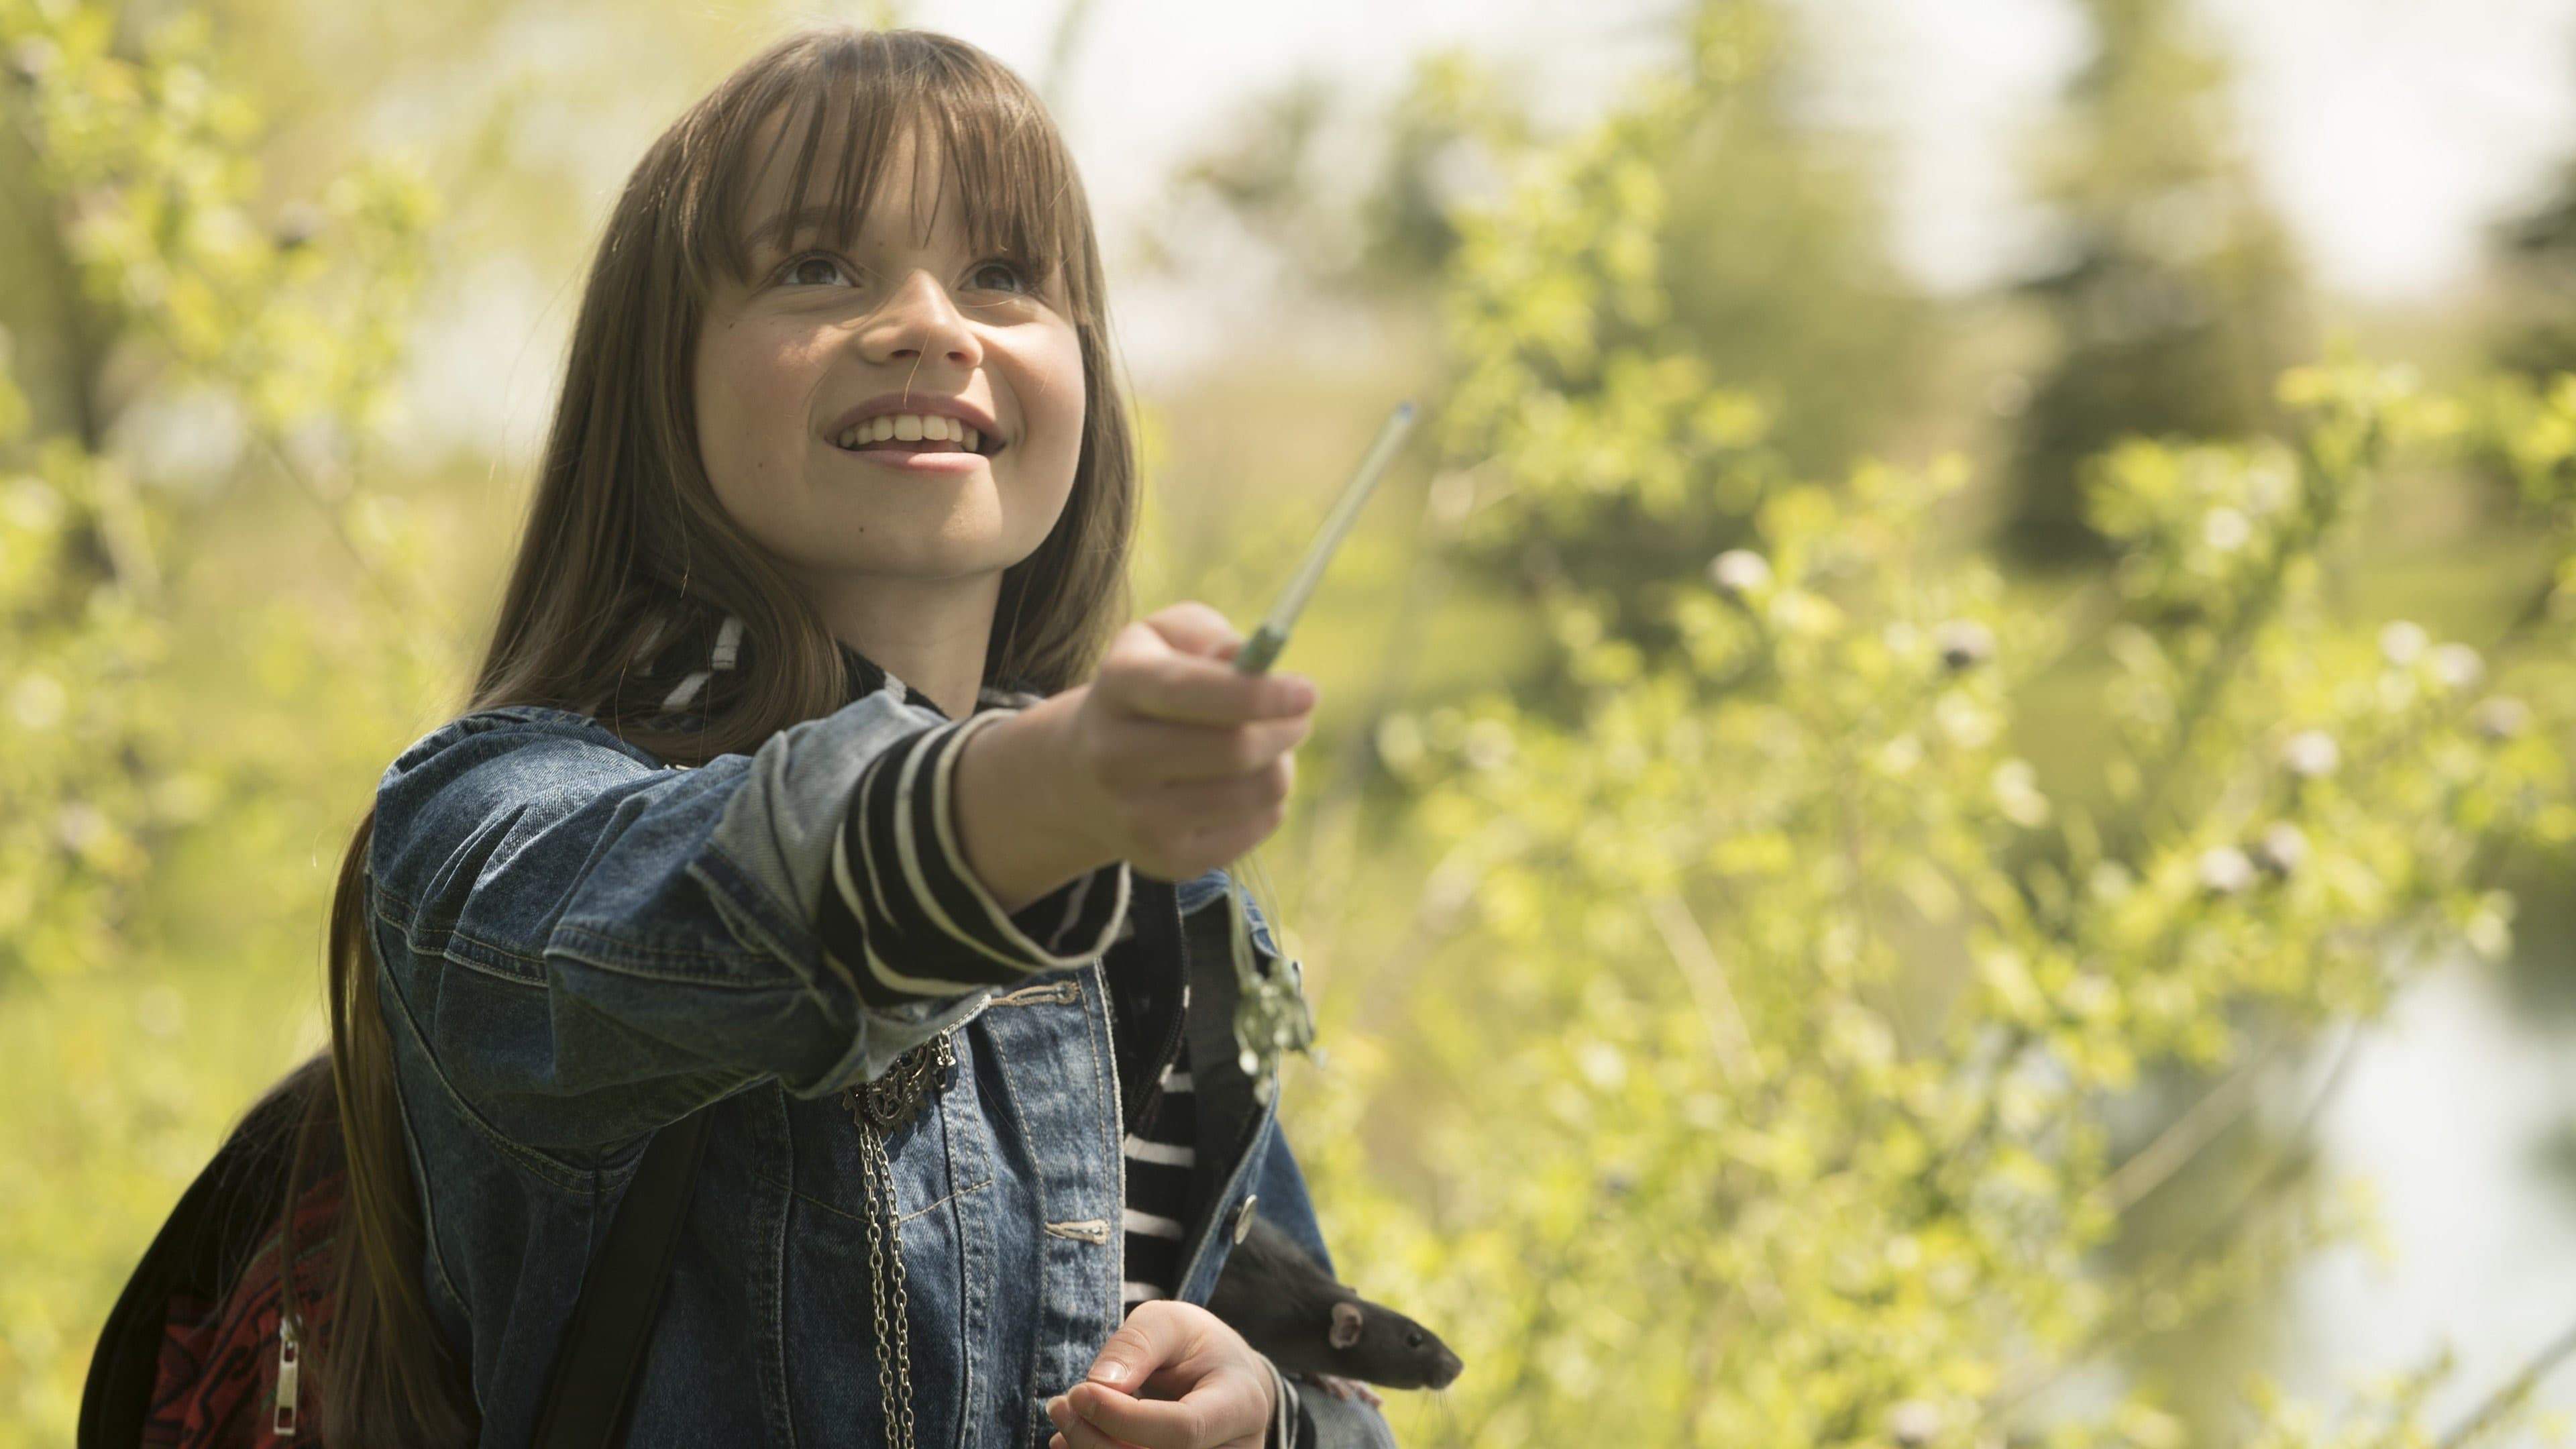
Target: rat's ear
{"x":1346,"y":1324}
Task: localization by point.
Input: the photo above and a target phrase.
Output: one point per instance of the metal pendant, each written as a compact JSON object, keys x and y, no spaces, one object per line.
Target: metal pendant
{"x":891,"y":1101}
{"x":1271,"y":1017}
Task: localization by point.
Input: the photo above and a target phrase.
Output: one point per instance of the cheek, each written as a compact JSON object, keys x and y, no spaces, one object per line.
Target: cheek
{"x":1058,"y":406}
{"x":748,"y":402}
{"x":744,"y":376}
{"x":1067,"y":369}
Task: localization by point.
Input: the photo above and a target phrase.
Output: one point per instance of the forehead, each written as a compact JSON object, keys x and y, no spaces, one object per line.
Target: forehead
{"x":913,"y":199}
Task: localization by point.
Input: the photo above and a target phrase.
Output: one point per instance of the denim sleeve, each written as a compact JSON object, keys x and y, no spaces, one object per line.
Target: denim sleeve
{"x":1282,"y":1187}
{"x":588,"y":943}
{"x":1319,"y":1420}
{"x":1306,"y":1418}
{"x":1276,"y":1178}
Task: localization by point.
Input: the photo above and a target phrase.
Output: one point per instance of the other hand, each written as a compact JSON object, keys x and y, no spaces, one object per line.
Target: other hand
{"x":1174,"y":1376}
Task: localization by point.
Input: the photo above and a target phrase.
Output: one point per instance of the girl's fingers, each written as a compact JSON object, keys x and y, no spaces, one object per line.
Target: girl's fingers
{"x":1219,"y":1409}
{"x":1201,"y":805}
{"x":1076,"y":1432}
{"x":1163,"y":1342}
{"x":1199,"y":691}
{"x":1156,"y":752}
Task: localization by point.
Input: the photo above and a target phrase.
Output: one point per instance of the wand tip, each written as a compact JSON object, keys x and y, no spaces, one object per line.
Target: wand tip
{"x":1404,"y":409}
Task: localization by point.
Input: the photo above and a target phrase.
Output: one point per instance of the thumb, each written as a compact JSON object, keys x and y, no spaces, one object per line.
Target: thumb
{"x":1191,"y":627}
{"x":1130,"y":1357}
{"x":1152,"y":1339}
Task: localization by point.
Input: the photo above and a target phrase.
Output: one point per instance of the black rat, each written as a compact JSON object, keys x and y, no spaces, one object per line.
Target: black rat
{"x":1287,"y":1306}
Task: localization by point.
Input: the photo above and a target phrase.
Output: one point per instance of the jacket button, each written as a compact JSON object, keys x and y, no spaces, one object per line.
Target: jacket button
{"x":1243,"y":1215}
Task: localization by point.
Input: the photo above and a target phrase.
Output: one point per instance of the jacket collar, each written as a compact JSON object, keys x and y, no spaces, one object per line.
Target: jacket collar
{"x":867,"y":677}
{"x":682,"y":673}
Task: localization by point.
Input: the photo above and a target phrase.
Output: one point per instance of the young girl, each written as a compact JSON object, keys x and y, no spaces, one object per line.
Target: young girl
{"x":782,"y":796}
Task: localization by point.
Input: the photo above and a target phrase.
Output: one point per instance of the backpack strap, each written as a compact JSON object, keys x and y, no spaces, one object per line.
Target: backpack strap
{"x":594,"y":1373}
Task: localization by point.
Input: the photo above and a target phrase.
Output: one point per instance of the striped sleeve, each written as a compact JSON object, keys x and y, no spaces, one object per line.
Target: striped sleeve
{"x":1161,"y":1159}
{"x":1289,"y":1427}
{"x":906,"y":917}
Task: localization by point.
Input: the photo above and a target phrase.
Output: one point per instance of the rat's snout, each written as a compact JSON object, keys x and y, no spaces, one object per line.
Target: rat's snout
{"x":1423,"y":1360}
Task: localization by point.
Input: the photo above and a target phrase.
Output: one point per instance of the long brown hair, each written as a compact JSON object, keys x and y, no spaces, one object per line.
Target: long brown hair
{"x":626,"y":549}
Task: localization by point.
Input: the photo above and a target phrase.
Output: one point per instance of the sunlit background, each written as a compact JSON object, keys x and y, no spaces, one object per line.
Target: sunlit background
{"x":2006,"y":459}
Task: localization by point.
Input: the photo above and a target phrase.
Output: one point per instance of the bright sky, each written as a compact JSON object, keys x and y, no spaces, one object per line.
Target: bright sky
{"x":2386,"y":131}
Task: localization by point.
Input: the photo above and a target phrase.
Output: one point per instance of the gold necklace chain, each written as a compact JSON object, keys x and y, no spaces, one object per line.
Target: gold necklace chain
{"x":881,"y":1108}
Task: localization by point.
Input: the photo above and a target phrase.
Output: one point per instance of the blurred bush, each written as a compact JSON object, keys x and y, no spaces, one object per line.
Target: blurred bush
{"x":1757,"y":1035}
{"x":176,"y":691}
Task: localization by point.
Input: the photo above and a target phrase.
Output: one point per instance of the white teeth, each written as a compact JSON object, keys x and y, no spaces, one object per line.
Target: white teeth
{"x":913,"y":427}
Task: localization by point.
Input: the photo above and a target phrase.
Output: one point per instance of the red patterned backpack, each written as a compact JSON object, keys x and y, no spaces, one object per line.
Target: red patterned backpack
{"x":205,"y":1347}
{"x":199,"y":1352}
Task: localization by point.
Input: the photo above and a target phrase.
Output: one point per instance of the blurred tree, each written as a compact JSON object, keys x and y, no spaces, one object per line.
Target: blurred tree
{"x":2537,"y":253}
{"x":157,"y":278}
{"x":154,"y":279}
{"x":1774,"y":305}
{"x":2178,"y":297}
{"x":1778,"y":267}
{"x":1691,"y":249}
{"x":2530,"y":329}
{"x":1261,"y":171}
{"x":1062,"y":45}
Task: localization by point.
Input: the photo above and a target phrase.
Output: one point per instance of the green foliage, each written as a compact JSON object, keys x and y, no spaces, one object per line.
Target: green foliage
{"x":1773,"y":271}
{"x":1784,"y":1004}
{"x":1767,"y":1066}
{"x":124,"y":785}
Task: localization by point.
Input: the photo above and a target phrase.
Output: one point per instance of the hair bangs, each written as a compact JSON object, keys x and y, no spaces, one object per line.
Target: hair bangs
{"x":839,"y":109}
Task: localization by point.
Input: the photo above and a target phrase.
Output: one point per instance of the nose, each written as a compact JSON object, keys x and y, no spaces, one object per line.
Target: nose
{"x":1447,"y":1370}
{"x":919,"y":322}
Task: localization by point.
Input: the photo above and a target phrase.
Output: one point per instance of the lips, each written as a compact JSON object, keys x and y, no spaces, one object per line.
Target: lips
{"x":924,"y":459}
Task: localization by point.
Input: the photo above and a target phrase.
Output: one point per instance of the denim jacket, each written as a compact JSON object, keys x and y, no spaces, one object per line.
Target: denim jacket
{"x":580,"y":943}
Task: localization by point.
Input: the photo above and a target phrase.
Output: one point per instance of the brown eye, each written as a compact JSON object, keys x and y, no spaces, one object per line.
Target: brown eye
{"x":797,"y":269}
{"x":1019,"y":278}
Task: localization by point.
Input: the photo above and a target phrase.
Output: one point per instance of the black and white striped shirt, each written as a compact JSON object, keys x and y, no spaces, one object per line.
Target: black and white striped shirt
{"x":932,"y":930}
{"x":1161,"y":1154}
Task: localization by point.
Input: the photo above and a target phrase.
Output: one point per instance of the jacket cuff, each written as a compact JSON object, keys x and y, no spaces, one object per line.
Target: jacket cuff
{"x":901,"y":891}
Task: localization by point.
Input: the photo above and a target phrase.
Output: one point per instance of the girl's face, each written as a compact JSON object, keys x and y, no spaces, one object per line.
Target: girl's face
{"x":780,"y":364}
